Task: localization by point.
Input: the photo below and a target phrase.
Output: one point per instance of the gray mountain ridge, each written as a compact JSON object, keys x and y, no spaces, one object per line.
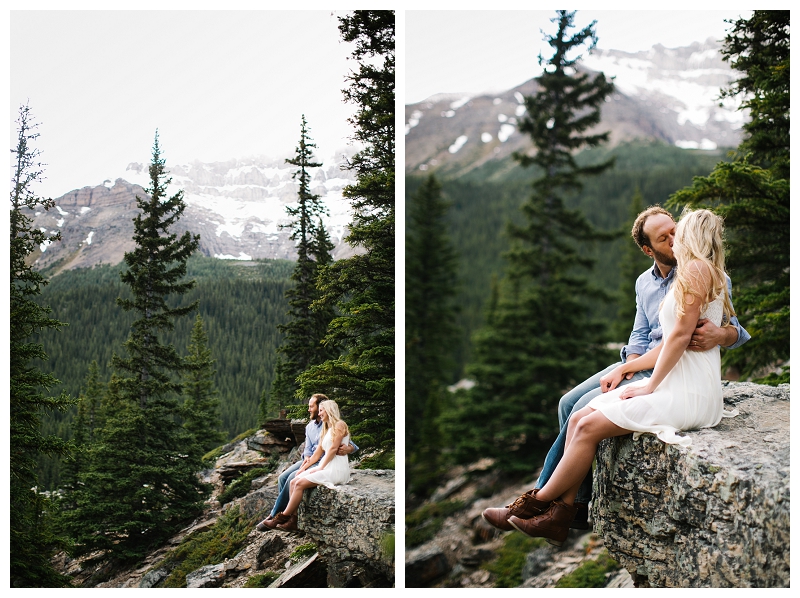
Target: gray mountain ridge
{"x":238,"y":207}
{"x":664,"y":94}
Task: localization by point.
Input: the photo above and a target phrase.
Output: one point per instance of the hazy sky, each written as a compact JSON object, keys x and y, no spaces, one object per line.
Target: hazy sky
{"x":217,"y":85}
{"x":475,"y":51}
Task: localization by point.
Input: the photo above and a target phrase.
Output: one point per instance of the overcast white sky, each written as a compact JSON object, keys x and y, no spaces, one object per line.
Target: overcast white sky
{"x":476,"y":51}
{"x":217,"y":85}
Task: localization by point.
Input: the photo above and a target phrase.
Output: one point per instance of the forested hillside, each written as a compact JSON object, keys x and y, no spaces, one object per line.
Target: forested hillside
{"x":241,"y":304}
{"x":489,"y":197}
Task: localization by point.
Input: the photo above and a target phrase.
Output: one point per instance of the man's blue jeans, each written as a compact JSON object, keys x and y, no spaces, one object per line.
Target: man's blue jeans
{"x":283,"y":487}
{"x":573,"y":401}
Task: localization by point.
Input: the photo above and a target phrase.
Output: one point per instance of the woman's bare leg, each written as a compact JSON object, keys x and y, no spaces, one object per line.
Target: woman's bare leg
{"x":589,"y":429}
{"x":296,"y":487}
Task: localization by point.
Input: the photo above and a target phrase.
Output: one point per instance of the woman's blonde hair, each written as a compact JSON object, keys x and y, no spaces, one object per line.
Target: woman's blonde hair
{"x":334,"y":416}
{"x":698,"y":236}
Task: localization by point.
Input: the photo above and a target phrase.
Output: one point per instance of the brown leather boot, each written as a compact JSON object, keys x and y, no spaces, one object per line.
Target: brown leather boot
{"x":553,"y":525}
{"x":291,"y":524}
{"x":279,"y":519}
{"x":524,"y":507}
{"x":263,"y":527}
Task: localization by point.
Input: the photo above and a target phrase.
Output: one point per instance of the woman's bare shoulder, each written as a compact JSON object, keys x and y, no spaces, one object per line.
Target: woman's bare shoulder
{"x":699,"y":271}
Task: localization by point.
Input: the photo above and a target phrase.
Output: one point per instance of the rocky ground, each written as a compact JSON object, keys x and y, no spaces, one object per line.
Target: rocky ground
{"x":459,"y":552}
{"x":262,"y":552}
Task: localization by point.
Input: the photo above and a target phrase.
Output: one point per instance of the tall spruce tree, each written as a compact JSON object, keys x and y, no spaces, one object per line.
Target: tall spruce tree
{"x":201,"y":405}
{"x":308,"y":323}
{"x":87,"y":421}
{"x":32,"y":542}
{"x":541,"y":339}
{"x":430,"y":329}
{"x":362,"y":287}
{"x":142,"y":484}
{"x":752,"y":193}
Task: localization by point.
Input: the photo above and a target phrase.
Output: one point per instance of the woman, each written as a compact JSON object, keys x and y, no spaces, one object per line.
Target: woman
{"x":683,"y":393}
{"x":332,"y":470}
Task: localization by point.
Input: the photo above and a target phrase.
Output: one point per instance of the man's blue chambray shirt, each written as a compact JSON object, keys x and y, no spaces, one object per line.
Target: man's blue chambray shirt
{"x":313,"y":430}
{"x":650,"y":292}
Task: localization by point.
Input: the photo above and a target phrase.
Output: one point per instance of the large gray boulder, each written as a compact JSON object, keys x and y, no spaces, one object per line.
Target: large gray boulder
{"x":352,"y":526}
{"x":715,"y":514}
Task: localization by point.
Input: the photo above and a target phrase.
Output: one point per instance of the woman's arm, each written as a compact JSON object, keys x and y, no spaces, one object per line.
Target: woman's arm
{"x":313,"y":458}
{"x":677,"y":341}
{"x":646,"y":362}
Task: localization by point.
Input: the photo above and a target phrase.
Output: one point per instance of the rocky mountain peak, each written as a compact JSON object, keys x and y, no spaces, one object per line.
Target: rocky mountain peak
{"x":665,"y":94}
{"x":237,"y":206}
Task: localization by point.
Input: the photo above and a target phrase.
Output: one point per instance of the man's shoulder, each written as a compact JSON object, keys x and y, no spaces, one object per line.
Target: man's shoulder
{"x":644,"y":277}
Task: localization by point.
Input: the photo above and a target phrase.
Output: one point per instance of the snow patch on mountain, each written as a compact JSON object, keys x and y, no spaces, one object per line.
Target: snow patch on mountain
{"x":687,"y":80}
{"x":252,"y":194}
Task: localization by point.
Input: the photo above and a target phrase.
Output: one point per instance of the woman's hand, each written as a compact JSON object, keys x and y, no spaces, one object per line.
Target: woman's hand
{"x":635,"y":391}
{"x":612,"y":379}
{"x":312,"y":470}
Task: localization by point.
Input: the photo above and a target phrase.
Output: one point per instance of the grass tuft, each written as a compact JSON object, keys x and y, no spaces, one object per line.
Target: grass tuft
{"x":590,"y":574}
{"x":262,"y":580}
{"x":224,"y":540}
{"x":422,"y":524}
{"x":507,"y":567}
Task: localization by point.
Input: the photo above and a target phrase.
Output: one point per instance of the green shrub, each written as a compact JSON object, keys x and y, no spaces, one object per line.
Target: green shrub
{"x":422,"y":524}
{"x":262,"y":581}
{"x":380,"y":460}
{"x":387,"y":547}
{"x":507,"y":567}
{"x":241,"y":485}
{"x":224,"y":540}
{"x":590,"y":574}
{"x":303,"y":552}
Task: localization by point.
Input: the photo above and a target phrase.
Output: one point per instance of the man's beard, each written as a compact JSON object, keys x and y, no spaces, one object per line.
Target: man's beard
{"x":663,"y":258}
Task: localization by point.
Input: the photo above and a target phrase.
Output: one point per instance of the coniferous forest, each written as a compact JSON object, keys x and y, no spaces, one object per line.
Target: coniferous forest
{"x":124,"y":377}
{"x":538,"y":254}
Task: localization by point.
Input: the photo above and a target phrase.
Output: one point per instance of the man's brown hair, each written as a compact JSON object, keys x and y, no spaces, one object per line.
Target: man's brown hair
{"x":637,"y":232}
{"x":319,"y":397}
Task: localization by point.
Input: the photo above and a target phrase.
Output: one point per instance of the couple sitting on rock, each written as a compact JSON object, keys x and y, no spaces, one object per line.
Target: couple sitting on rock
{"x":672,"y":385}
{"x":324,"y":463}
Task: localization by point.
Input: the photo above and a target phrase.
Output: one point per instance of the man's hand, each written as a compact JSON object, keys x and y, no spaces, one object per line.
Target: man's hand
{"x":611,"y":380}
{"x":345,"y":449}
{"x":708,"y":335}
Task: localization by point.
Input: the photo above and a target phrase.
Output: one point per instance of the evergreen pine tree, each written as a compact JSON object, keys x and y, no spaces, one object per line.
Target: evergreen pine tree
{"x":632,"y":263}
{"x":87,"y":421}
{"x":32,"y":543}
{"x":542,"y":339}
{"x":302,"y":346}
{"x":430,"y":329}
{"x":266,"y":408}
{"x":362,"y":287}
{"x":142,"y":484}
{"x":751,"y":194}
{"x":201,"y":405}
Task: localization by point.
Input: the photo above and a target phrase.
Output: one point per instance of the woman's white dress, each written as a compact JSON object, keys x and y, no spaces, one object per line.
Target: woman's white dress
{"x":689,"y":397}
{"x":337,"y":471}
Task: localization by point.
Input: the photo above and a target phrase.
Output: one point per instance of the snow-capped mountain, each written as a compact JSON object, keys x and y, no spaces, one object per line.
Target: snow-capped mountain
{"x":238,"y":207}
{"x":668,"y":94}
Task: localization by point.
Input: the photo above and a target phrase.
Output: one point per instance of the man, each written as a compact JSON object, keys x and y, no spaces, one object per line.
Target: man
{"x":654,"y":232}
{"x":313,"y":430}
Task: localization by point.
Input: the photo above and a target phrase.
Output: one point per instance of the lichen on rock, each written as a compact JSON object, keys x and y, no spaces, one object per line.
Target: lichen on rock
{"x":715,"y":514}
